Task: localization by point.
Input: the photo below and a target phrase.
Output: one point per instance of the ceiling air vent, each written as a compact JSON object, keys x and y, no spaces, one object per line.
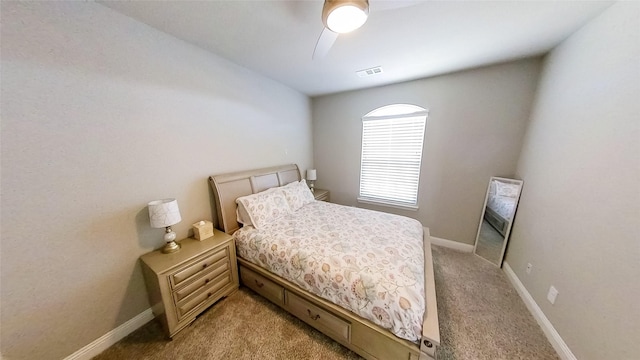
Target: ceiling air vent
{"x":369,"y":72}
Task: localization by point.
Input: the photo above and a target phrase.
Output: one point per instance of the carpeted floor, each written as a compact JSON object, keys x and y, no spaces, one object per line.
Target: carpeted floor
{"x":481,"y":317}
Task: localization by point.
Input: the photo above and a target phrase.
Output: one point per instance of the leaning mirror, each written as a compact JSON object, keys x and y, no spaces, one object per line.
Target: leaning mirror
{"x":500,"y":205}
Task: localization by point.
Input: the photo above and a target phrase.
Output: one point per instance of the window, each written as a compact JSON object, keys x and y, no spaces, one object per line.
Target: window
{"x":392,"y":139}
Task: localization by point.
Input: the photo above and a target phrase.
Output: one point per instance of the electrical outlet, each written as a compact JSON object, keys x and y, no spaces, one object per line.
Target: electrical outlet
{"x":552,"y":295}
{"x":529,"y":267}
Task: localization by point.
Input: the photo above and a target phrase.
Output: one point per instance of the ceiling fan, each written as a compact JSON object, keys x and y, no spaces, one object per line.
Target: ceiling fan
{"x":343,"y":16}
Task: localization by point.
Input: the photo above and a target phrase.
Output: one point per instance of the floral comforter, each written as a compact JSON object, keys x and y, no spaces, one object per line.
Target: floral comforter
{"x":368,"y":262}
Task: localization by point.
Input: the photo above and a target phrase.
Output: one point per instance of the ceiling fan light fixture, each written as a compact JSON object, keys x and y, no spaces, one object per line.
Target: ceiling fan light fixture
{"x":343,"y":16}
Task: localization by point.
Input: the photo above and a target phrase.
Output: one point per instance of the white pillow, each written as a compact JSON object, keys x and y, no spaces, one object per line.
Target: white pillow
{"x":264,"y":207}
{"x":242,"y":215}
{"x":298,"y":194}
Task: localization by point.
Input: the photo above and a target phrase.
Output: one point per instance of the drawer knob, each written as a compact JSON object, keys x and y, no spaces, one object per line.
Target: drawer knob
{"x":259,"y":284}
{"x":206,"y":281}
{"x":204,"y":266}
{"x":209,"y":294}
{"x":313,"y":317}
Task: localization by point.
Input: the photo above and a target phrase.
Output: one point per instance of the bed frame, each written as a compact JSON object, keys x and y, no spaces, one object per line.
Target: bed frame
{"x":360,"y":335}
{"x":496,"y":220}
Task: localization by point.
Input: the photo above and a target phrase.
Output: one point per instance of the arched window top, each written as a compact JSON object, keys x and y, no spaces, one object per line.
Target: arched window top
{"x":399,"y":110}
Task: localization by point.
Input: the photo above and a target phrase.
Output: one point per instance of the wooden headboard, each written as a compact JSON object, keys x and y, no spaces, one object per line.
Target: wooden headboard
{"x":228,"y":187}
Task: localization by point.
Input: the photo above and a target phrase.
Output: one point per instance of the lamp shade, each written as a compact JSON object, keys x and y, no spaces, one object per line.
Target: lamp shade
{"x":312,"y":175}
{"x":163,"y":213}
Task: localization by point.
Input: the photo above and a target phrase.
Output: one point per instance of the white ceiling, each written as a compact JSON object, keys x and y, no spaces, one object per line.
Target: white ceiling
{"x":426,"y":38}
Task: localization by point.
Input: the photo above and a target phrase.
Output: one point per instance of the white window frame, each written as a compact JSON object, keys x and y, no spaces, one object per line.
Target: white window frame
{"x":407,"y":198}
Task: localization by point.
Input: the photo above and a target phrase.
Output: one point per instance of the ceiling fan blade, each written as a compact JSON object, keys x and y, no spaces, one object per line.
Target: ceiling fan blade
{"x":325,"y":41}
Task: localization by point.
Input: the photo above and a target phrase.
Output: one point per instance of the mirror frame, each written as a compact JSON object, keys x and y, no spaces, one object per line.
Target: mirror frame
{"x":508,"y":231}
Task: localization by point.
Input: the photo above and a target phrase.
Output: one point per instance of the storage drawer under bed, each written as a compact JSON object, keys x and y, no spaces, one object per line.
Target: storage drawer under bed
{"x":262,"y":285}
{"x":353,"y":334}
{"x":296,"y":305}
{"x":317,"y":317}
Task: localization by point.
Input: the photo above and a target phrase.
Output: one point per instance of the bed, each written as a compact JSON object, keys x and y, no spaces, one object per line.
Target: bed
{"x":304,"y":271}
{"x":501,"y":202}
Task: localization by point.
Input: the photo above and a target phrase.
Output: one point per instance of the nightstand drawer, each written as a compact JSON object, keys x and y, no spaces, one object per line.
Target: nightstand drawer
{"x":214,"y":271}
{"x":196,"y":269}
{"x":317,"y":317}
{"x":202,"y":296}
{"x":262,"y":286}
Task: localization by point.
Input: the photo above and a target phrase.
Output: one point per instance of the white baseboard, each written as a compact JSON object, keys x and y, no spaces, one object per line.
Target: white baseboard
{"x":552,"y":335}
{"x":451,"y":244}
{"x":105,"y":341}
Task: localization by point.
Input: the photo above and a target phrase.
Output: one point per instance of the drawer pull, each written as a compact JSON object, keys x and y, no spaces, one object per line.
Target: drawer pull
{"x":427,"y":343}
{"x":209,"y":294}
{"x":206,"y":281}
{"x":314,"y":317}
{"x":204,"y":266}
{"x":259,"y":284}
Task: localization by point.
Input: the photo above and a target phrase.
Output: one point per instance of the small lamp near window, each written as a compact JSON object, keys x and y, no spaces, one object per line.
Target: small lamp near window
{"x":162,"y":214}
{"x":312,"y":176}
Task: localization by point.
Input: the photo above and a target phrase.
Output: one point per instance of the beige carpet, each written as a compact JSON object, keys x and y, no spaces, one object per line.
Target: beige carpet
{"x":481,"y":317}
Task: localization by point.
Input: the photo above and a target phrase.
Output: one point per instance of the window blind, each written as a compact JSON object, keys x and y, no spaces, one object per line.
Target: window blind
{"x":391,"y":158}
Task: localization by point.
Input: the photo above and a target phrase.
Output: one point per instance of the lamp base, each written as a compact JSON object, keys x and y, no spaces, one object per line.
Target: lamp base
{"x":170,"y":237}
{"x":171,"y":247}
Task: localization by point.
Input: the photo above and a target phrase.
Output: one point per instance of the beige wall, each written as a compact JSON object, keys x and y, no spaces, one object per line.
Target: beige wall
{"x":578,"y":221}
{"x":100,"y":115}
{"x":476,"y":123}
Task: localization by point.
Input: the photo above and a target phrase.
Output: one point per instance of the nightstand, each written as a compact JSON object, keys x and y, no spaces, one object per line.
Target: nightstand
{"x":183,"y":284}
{"x":321,"y":195}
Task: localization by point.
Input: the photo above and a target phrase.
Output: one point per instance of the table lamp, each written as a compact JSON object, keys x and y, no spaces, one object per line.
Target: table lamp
{"x":162,"y":214}
{"x":312,"y":176}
